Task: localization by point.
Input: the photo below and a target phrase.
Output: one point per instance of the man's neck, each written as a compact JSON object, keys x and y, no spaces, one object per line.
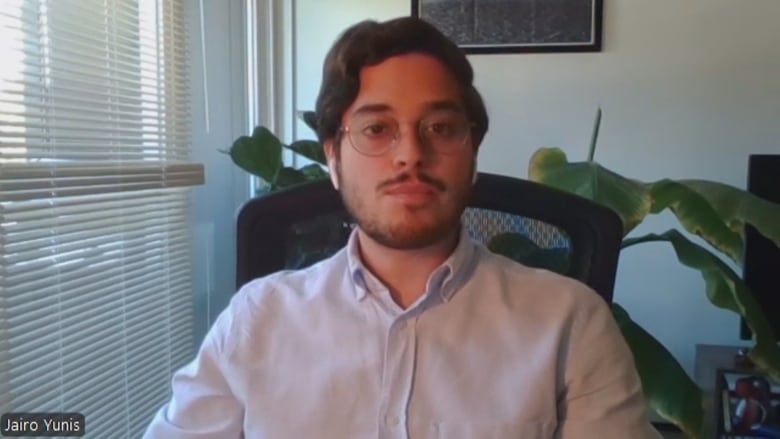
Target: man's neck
{"x":405,"y":272}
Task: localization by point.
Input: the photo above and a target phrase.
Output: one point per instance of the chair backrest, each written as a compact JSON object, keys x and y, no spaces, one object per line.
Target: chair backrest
{"x":536,"y":224}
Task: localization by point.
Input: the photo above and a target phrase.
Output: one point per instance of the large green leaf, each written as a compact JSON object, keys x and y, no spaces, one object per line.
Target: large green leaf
{"x":713,"y":211}
{"x":697,"y":216}
{"x":520,"y":248}
{"x":667,"y":388}
{"x":309,"y":118}
{"x":725,"y":290}
{"x":310,"y":149}
{"x":314,"y":172}
{"x":288,"y":177}
{"x":629,"y":198}
{"x":737,"y":207}
{"x":260,"y":154}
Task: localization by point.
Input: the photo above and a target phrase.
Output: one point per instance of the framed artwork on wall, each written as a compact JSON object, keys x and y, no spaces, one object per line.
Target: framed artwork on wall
{"x":507,"y":26}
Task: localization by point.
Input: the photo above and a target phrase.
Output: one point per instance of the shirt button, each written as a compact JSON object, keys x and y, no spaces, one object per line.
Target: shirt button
{"x":392,"y":420}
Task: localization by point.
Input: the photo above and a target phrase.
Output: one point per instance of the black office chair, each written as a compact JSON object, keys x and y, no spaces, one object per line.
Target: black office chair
{"x":298,"y":226}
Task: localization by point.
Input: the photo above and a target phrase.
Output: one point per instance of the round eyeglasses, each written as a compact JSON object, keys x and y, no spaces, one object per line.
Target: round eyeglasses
{"x":375,"y":135}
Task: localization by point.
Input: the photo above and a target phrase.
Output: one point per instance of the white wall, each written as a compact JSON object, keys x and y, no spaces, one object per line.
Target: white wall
{"x":688,"y":88}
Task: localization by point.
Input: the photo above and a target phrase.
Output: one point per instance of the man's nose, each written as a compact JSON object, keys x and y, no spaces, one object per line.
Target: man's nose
{"x":410,"y":150}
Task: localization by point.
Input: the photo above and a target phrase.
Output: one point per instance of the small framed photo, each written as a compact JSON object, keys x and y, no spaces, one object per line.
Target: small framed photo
{"x":507,"y":26}
{"x":747,"y":405}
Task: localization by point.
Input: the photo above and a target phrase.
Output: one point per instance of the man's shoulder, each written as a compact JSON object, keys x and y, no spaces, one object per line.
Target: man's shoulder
{"x":285,"y":296}
{"x":298,"y":285}
{"x":535,"y":285}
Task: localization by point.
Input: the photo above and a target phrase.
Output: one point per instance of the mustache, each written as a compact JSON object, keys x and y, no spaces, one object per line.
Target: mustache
{"x":405,"y":176}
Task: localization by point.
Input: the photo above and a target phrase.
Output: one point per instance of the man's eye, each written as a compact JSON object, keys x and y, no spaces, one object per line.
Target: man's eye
{"x":441,"y":128}
{"x":377,"y":129}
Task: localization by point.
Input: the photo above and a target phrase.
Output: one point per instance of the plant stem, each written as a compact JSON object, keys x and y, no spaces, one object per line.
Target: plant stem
{"x":594,"y":137}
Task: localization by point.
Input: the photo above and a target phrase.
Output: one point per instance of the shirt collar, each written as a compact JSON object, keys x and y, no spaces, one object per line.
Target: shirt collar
{"x":446,"y":279}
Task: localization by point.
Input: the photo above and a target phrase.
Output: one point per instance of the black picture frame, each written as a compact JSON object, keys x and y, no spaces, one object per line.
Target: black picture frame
{"x":516,"y":26}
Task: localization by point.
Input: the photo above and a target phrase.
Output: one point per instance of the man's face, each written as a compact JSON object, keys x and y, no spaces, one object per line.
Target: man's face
{"x":412,"y":195}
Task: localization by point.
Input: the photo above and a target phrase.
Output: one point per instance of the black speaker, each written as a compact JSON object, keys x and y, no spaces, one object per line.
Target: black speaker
{"x":762,"y":257}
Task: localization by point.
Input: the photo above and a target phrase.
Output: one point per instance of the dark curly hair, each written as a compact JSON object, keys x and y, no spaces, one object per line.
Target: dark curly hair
{"x":369,"y":43}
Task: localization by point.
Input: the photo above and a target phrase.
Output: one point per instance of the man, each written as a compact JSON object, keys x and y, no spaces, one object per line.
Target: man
{"x":412,"y":330}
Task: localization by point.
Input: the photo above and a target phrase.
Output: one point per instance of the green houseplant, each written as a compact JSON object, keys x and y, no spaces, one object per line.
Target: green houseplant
{"x":713,"y":211}
{"x":716,"y":212}
{"x":261,"y":155}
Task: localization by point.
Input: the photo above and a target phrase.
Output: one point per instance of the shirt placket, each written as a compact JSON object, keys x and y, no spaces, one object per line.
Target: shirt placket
{"x":397,"y":379}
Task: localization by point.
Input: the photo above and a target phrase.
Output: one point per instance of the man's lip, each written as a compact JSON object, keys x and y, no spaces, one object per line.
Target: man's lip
{"x":410,"y":188}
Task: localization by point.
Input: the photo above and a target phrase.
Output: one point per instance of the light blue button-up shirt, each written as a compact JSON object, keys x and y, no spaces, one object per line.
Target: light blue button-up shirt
{"x":492,"y":349}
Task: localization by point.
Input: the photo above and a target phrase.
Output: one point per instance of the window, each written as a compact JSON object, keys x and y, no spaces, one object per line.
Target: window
{"x":95,"y":278}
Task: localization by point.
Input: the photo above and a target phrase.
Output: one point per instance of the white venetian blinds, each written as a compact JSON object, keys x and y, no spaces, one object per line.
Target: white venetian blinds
{"x":95,"y":289}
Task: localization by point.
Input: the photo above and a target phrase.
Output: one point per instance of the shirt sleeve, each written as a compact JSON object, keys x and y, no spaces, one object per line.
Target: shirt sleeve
{"x":602,"y":396}
{"x":202,"y":404}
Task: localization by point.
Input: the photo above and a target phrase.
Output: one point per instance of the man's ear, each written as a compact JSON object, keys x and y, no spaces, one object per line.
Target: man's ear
{"x":476,"y":172}
{"x":330,"y":155}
